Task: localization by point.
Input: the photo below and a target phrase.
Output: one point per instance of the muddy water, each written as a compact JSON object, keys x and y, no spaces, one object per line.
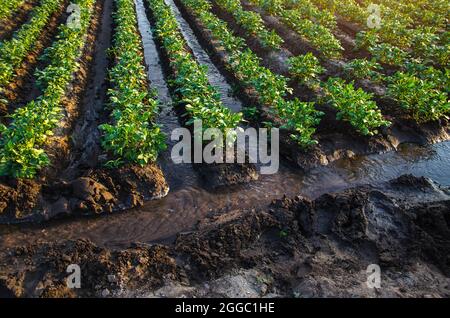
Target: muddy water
{"x":214,"y":76}
{"x":182,"y":175}
{"x":188,"y":202}
{"x":183,"y":207}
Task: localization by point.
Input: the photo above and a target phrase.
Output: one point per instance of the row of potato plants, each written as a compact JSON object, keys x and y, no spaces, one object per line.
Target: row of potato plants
{"x":300,"y":118}
{"x":252,"y":23}
{"x":421,"y":12}
{"x":422,"y":91}
{"x":421,"y":96}
{"x":200,"y":99}
{"x":132,"y":136}
{"x":397,"y":40}
{"x":309,"y":10}
{"x":319,"y":36}
{"x":14,"y":51}
{"x":425,"y":98}
{"x":7,"y":7}
{"x":22,"y":141}
{"x":353,"y":105}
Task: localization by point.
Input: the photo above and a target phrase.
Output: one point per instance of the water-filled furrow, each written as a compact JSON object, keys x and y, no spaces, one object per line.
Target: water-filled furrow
{"x":182,"y":208}
{"x":188,"y":202}
{"x":177,"y":175}
{"x":215,"y":78}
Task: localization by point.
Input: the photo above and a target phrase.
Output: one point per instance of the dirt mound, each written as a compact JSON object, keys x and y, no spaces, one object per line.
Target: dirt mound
{"x":220,"y":244}
{"x":294,"y":247}
{"x":99,"y":191}
{"x":219,"y":175}
{"x":103,"y":270}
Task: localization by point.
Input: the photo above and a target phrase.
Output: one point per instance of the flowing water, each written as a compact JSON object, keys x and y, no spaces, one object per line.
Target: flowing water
{"x":215,"y":78}
{"x":160,"y":220}
{"x":188,"y":201}
{"x":178,"y":176}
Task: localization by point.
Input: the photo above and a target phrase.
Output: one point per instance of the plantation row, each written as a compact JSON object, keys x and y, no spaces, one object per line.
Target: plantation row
{"x":21,"y":152}
{"x":200,"y":100}
{"x":422,"y":12}
{"x":133,"y":136}
{"x":298,"y":117}
{"x":304,"y":22}
{"x":419,"y":88}
{"x":252,"y":23}
{"x":399,"y":37}
{"x":13,"y":52}
{"x":7,"y":7}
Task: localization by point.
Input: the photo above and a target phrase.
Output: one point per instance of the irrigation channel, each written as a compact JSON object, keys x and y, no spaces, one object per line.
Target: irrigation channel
{"x":188,"y":201}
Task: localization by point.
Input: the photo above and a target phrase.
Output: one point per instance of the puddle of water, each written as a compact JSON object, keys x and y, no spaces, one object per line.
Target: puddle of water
{"x":215,"y":78}
{"x":431,"y":161}
{"x":183,"y":207}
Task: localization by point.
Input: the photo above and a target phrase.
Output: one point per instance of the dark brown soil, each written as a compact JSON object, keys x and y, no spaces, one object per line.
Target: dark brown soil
{"x":221,"y":175}
{"x":294,"y":247}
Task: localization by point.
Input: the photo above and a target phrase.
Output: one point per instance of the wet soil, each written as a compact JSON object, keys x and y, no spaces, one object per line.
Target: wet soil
{"x":294,"y":247}
{"x":188,"y":201}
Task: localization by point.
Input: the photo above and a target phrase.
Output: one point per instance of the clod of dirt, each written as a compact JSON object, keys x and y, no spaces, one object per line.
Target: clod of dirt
{"x":222,"y":175}
{"x":149,"y":265}
{"x":294,"y":247}
{"x":100,"y":191}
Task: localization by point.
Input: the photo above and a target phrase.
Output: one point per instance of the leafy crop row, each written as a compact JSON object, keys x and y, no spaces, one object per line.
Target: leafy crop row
{"x":308,"y":10}
{"x":317,"y":35}
{"x":201,"y":100}
{"x":305,"y":68}
{"x":7,"y":7}
{"x":252,"y":23}
{"x":399,"y":35}
{"x":354,"y":106}
{"x":422,"y":91}
{"x":13,"y":52}
{"x":298,"y":117}
{"x":132,"y":137}
{"x":420,"y":12}
{"x":21,"y":153}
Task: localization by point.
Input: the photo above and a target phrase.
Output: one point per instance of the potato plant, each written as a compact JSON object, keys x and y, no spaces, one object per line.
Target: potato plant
{"x":22,"y":141}
{"x":133,"y":136}
{"x":354,"y":106}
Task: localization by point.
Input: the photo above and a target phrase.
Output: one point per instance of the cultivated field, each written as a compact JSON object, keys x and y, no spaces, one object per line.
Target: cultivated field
{"x":91,"y":91}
